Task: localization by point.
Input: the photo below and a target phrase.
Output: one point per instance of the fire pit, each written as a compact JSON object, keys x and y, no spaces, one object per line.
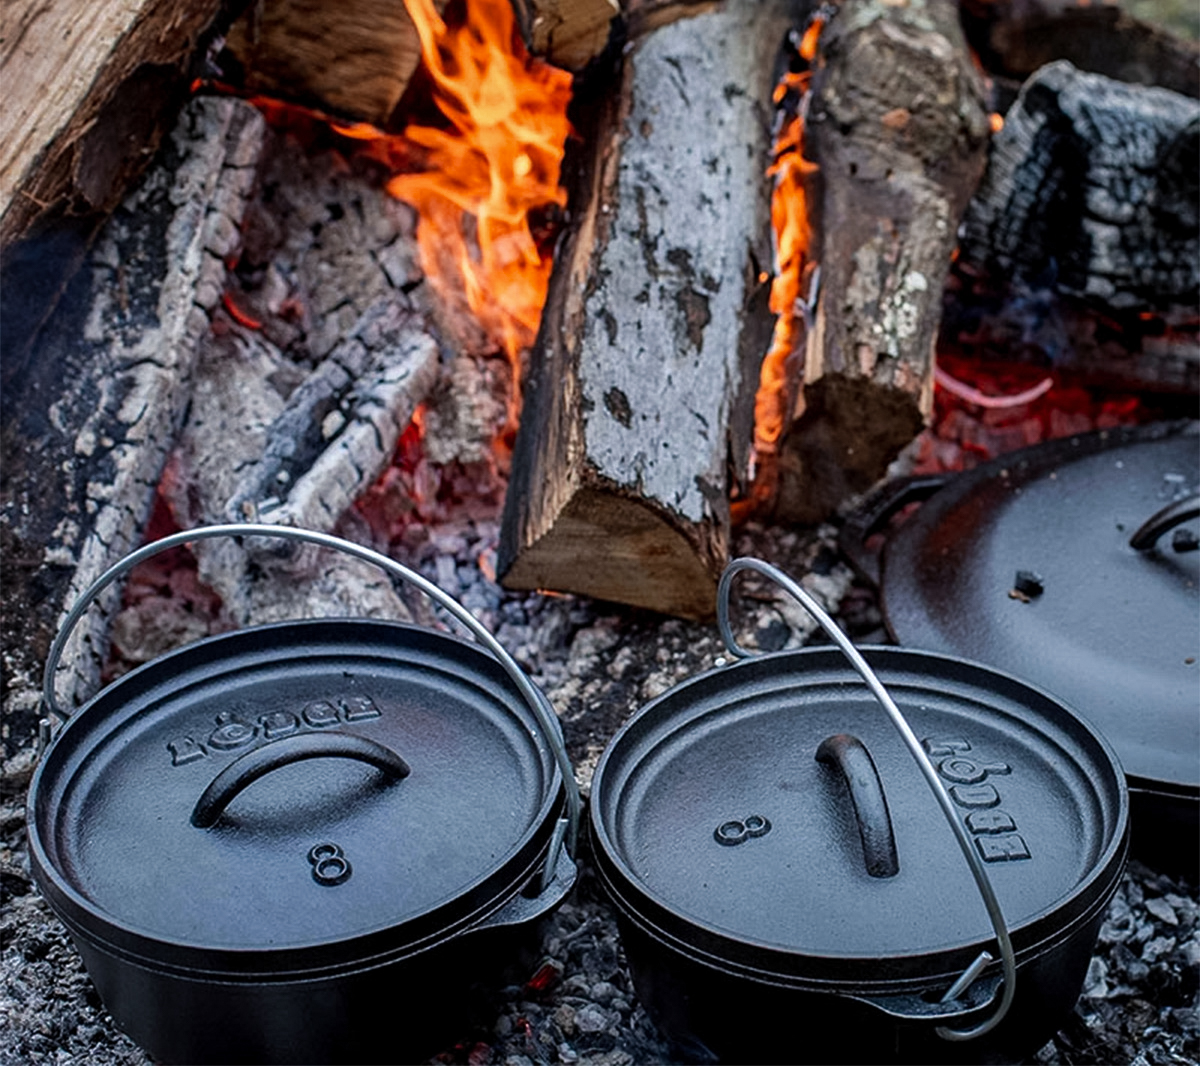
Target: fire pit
{"x":264,"y":333}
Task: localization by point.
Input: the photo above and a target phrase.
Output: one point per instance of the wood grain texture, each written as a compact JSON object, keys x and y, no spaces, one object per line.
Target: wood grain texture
{"x":88,"y":89}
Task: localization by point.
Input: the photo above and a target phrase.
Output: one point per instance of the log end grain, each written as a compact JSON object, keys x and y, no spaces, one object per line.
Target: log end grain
{"x":616,"y":548}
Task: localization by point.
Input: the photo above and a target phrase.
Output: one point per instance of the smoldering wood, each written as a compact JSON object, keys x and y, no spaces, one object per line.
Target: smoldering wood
{"x":87,"y":429}
{"x":1093,"y":189}
{"x":353,"y":59}
{"x":897,"y":126}
{"x":641,"y":383}
{"x":297,"y":408}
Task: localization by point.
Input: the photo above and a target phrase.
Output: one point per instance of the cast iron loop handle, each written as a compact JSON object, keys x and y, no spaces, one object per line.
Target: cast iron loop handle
{"x":253,"y":764}
{"x":849,"y":755}
{"x":860,"y":664}
{"x":543,"y":713}
{"x":870,"y":516}
{"x":1169,"y":517}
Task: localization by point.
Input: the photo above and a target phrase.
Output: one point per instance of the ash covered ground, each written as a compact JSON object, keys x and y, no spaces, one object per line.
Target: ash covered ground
{"x":598,"y":664}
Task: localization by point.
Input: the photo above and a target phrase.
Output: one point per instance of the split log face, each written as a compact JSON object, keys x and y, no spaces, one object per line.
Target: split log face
{"x":567,"y":33}
{"x":354,"y":58}
{"x":644,"y":371}
{"x":898,"y":128}
{"x":88,"y":89}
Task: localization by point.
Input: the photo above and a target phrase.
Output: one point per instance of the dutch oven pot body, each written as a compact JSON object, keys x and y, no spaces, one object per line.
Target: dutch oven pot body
{"x":757,"y":920}
{"x":1032,"y":564}
{"x":314,"y":841}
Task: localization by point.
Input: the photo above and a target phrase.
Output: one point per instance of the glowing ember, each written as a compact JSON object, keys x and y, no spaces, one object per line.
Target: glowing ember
{"x":496,"y":163}
{"x":789,"y":218}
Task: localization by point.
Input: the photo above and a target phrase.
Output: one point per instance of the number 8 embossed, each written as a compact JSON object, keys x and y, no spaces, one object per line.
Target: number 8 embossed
{"x":735,"y":831}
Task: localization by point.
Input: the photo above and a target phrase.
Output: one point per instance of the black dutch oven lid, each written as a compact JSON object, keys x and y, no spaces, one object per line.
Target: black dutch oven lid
{"x":1031,"y":564}
{"x":295,"y":796}
{"x":737,"y":816}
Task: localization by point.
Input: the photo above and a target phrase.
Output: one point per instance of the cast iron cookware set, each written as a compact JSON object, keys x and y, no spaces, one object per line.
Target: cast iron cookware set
{"x":311,"y":841}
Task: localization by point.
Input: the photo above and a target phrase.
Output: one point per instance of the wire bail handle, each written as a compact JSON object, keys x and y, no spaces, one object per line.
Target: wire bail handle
{"x":542,"y":711}
{"x":927,"y":770}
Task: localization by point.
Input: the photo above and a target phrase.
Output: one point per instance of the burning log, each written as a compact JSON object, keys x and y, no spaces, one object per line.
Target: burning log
{"x":897,"y":125}
{"x":88,"y":425}
{"x":1093,"y":187}
{"x":567,"y":33}
{"x":354,"y":58}
{"x":640,"y":385}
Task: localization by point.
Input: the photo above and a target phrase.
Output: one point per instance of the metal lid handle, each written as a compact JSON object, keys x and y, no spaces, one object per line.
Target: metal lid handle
{"x":1176,"y":512}
{"x":914,"y":746}
{"x":542,"y":711}
{"x":257,"y":762}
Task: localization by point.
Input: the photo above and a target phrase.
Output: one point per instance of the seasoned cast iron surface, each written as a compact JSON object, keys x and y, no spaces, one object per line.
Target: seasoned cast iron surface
{"x":597,"y":664}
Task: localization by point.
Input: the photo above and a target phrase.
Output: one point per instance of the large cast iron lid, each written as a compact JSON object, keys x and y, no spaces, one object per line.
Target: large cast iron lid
{"x":1027,"y":564}
{"x":728,"y":822}
{"x":296,"y":786}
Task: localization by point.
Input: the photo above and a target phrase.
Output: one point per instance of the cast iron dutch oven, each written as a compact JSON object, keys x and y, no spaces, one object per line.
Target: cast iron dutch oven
{"x":303,"y":842}
{"x":1074,"y":565}
{"x":787,"y":889}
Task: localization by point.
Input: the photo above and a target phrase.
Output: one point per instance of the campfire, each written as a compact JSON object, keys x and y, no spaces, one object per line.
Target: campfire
{"x":565,"y":303}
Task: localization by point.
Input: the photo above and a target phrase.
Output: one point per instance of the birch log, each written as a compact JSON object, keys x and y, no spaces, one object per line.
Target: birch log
{"x":641,"y":382}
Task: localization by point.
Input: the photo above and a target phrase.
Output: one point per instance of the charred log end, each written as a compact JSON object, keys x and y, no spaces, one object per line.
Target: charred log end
{"x":615,"y":548}
{"x":850,"y":431}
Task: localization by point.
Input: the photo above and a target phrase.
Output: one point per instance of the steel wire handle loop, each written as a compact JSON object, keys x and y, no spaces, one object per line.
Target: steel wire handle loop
{"x":537,"y":702}
{"x":914,"y":746}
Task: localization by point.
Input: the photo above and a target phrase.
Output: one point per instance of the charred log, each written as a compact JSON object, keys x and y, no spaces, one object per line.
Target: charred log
{"x":303,"y":390}
{"x":1093,"y":186}
{"x":87,"y":430}
{"x":897,"y":127}
{"x":644,"y":371}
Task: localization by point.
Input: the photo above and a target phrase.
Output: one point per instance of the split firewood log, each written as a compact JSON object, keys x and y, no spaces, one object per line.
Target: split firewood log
{"x":567,"y":33}
{"x":354,"y":58}
{"x":897,"y":126}
{"x":88,"y":424}
{"x":641,"y":383}
{"x":89,"y":91}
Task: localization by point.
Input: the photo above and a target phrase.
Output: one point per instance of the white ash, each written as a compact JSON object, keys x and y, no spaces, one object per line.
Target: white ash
{"x":598,"y":663}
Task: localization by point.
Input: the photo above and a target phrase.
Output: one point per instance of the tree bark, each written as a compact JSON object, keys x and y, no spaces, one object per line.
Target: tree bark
{"x":897,"y":126}
{"x":642,"y":379}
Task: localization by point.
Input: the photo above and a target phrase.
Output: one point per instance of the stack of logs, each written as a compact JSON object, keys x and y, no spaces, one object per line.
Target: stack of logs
{"x":639,"y":392}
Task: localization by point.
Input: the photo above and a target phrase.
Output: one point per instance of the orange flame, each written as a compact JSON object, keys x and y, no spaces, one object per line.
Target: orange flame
{"x":498,"y":162}
{"x":793,"y":238}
